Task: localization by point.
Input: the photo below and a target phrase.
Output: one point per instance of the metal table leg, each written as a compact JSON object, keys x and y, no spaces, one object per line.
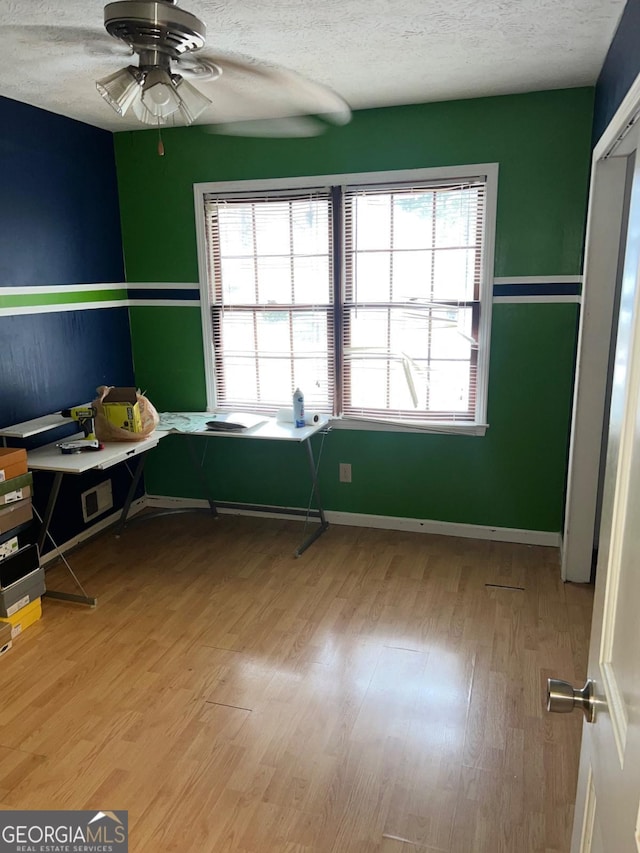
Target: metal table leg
{"x":200,"y":472}
{"x":42,"y":536}
{"x":132,"y":490}
{"x":89,"y":600}
{"x":315,"y":491}
{"x":48,"y":513}
{"x":137,"y":474}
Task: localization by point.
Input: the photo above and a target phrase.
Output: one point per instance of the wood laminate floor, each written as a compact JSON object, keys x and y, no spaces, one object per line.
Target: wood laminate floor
{"x":381,"y":694}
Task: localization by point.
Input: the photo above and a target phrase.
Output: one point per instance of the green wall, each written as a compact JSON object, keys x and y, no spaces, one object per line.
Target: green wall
{"x":511,"y":477}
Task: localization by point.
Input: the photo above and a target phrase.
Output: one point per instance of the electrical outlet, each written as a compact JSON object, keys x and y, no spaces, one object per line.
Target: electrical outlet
{"x":345,"y":472}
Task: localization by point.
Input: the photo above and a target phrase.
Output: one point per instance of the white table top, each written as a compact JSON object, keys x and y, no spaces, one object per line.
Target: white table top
{"x":270,"y":429}
{"x":50,"y":458}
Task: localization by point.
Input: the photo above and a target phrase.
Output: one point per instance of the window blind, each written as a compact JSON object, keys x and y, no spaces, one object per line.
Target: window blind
{"x":270,"y":272}
{"x":411,"y":307}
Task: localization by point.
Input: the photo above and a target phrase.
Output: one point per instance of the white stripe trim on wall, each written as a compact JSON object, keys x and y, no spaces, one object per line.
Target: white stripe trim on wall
{"x":163,"y":285}
{"x":64,"y":306}
{"x":538,"y":279}
{"x":522,"y":300}
{"x":50,"y":289}
{"x":164,"y":303}
{"x":31,"y":290}
{"x":35,"y":290}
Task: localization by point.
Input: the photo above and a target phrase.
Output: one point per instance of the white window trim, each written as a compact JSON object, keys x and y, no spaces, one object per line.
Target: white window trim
{"x":401,"y":175}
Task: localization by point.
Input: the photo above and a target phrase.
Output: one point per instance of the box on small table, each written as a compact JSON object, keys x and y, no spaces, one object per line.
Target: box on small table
{"x":121,"y":408}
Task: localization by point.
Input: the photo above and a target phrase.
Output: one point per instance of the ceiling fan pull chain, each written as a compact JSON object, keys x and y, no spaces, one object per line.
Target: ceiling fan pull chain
{"x":160,"y":142}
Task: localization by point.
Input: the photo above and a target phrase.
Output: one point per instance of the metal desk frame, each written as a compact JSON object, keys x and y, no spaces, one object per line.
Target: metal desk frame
{"x":49,"y":458}
{"x":273,"y":430}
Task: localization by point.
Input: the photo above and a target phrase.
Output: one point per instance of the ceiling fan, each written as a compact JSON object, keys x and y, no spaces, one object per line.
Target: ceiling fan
{"x":168,"y":42}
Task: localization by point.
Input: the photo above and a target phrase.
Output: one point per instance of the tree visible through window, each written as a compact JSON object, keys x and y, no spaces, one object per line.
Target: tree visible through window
{"x":368,"y":298}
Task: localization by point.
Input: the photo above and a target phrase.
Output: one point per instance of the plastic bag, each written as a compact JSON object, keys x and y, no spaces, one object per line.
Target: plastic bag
{"x":107,"y":431}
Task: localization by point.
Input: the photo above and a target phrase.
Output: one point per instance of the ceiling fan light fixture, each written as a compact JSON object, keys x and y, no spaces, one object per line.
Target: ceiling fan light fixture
{"x":158,"y":32}
{"x":192,"y":102}
{"x":145,"y":115}
{"x":159,"y":94}
{"x":166,"y":38}
{"x":120,"y":89}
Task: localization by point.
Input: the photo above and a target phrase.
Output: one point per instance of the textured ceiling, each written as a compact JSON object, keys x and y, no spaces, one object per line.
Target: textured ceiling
{"x":372,"y":52}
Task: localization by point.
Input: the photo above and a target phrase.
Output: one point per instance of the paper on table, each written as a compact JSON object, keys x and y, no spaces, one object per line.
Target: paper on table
{"x":199,"y":421}
{"x":184,"y":421}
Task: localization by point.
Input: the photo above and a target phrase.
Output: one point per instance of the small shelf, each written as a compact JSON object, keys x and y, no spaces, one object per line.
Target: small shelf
{"x":35,"y":426}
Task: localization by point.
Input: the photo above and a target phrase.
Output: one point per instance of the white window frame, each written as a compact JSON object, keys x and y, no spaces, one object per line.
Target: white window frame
{"x":490,"y":170}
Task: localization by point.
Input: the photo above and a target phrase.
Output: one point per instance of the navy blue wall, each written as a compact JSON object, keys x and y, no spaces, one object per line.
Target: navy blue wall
{"x":59,"y":225}
{"x":59,"y":212}
{"x":52,"y":361}
{"x":620,"y":68}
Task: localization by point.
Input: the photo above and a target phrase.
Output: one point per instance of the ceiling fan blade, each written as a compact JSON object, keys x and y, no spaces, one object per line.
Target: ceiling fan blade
{"x":291,"y":127}
{"x":92,"y":41}
{"x":248,"y":97}
{"x":251,"y":98}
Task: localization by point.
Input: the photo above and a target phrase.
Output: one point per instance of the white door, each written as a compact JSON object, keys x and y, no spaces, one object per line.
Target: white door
{"x":607,"y":815}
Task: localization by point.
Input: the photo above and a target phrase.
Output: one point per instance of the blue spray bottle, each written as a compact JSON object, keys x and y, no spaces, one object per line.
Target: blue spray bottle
{"x":298,"y":408}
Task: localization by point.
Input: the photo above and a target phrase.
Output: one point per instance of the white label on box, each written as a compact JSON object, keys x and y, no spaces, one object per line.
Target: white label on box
{"x":13,"y":496}
{"x":15,"y":630}
{"x":1,"y":475}
{"x":18,"y":605}
{"x":8,"y":547}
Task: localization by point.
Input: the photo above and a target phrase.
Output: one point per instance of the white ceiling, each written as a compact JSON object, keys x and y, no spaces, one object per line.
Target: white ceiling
{"x":373,"y":52}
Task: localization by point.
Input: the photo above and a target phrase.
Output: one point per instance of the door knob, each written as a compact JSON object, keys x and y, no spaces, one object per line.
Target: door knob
{"x":562,"y":698}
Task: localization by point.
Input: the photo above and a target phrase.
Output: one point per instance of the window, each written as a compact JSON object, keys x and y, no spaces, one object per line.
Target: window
{"x":270,"y":270}
{"x":372,"y":296}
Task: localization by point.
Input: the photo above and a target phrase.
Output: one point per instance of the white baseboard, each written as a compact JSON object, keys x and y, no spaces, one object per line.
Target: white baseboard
{"x":136,"y":506}
{"x":448,"y":528}
{"x":384,"y":522}
{"x":350,"y":519}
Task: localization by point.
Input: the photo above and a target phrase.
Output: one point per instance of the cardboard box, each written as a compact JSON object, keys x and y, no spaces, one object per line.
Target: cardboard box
{"x":21,"y":593}
{"x":23,"y":618}
{"x":15,"y":532}
{"x":121,"y":408}
{"x":13,"y":462}
{"x":14,"y":483}
{"x":19,"y":565}
{"x":9,"y":547}
{"x":5,"y":633}
{"x":5,"y":637}
{"x":19,"y":494}
{"x":15,"y":514}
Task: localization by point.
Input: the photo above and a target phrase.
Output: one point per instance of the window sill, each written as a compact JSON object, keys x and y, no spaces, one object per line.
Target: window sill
{"x":433,"y":429}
